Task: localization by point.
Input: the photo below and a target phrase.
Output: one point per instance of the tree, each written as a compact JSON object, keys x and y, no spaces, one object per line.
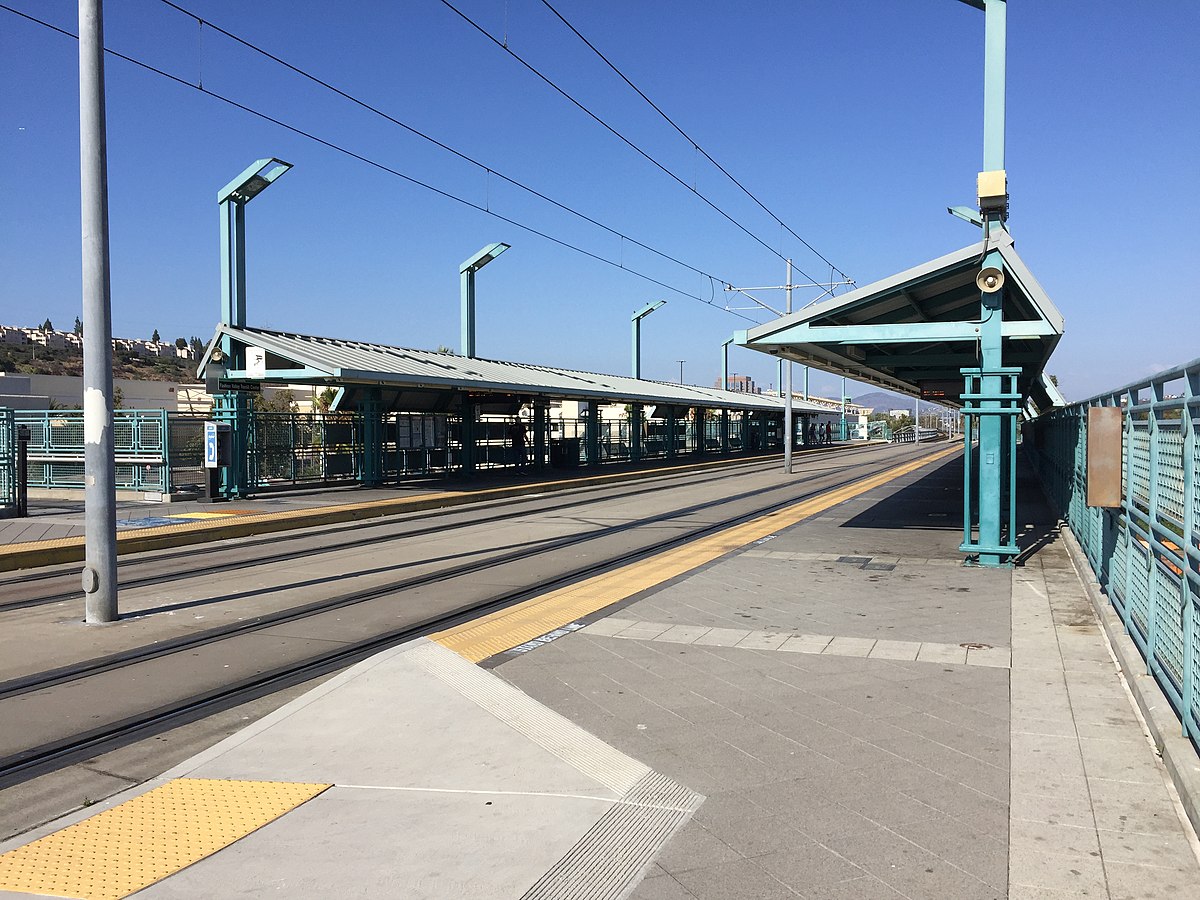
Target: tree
{"x":47,"y":325}
{"x":324,"y":399}
{"x":118,"y":398}
{"x":280,"y":401}
{"x":154,"y":337}
{"x":79,"y":326}
{"x":180,"y":343}
{"x":197,"y":346}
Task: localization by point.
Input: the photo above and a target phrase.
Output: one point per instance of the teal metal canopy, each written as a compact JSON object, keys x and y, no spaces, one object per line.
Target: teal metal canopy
{"x":916,"y":331}
{"x":426,"y":380}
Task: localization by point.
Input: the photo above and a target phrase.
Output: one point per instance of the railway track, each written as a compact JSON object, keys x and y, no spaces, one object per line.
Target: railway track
{"x":380,"y":611}
{"x":328,"y":540}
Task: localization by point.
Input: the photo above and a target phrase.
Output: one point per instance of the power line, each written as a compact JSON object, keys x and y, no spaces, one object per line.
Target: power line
{"x":687,"y":137}
{"x":609,"y":128}
{"x":385,"y":168}
{"x":426,"y":137}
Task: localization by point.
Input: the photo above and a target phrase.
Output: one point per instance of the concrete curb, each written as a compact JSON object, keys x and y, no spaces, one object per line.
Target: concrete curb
{"x":1178,"y":754}
{"x":67,"y":550}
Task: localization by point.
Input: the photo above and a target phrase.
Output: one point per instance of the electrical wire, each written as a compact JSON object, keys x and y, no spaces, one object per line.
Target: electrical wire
{"x":485,"y":168}
{"x":610,"y":129}
{"x":696,"y":146}
{"x":385,"y":168}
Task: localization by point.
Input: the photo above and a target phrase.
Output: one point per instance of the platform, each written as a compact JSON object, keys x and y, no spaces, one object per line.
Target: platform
{"x":835,"y":708}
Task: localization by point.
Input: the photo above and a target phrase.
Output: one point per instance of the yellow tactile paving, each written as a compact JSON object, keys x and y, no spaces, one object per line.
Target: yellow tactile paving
{"x":500,"y":631}
{"x":133,"y":845}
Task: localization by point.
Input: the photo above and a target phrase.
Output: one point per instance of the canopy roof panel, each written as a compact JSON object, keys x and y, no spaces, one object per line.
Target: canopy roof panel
{"x":914,"y":331}
{"x":426,"y":379}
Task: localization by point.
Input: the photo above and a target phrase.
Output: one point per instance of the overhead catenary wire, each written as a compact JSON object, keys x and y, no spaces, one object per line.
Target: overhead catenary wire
{"x":695,"y":145}
{"x":611,"y":130}
{"x":391,"y":171}
{"x":488,"y":170}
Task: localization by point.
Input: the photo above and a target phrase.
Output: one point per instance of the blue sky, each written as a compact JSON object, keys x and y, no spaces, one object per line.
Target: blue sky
{"x":856,"y":121}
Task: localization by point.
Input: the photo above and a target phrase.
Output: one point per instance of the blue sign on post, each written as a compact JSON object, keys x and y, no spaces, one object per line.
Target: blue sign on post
{"x":210,"y":445}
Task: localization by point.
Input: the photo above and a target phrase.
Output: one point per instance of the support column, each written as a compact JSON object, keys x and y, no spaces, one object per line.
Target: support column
{"x":701,"y":426}
{"x":468,"y":436}
{"x":670,"y":425}
{"x":724,"y":432}
{"x":539,"y":435}
{"x":372,"y":413}
{"x":591,"y":433}
{"x":636,"y":416}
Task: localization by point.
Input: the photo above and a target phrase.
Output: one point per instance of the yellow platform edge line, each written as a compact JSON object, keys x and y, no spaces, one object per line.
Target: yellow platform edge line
{"x":56,"y":551}
{"x":145,"y":839}
{"x":500,"y":631}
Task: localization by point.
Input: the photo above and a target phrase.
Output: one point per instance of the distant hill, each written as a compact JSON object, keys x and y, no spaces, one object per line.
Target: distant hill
{"x":886,"y":401}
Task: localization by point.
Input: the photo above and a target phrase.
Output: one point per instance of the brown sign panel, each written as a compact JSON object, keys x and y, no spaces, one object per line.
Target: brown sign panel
{"x":1104,"y":434}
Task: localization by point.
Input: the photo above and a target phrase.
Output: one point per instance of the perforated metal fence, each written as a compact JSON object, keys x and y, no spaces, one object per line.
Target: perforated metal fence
{"x":1146,"y":552}
{"x":56,"y":448}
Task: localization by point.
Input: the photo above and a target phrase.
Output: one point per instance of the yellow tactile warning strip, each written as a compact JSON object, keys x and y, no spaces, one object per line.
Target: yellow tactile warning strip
{"x":143,"y":840}
{"x":245,"y":524}
{"x":500,"y":631}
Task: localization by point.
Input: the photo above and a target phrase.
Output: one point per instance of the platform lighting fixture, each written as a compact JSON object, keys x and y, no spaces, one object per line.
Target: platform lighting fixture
{"x":232,"y":199}
{"x":636,"y":322}
{"x":966,"y":214}
{"x":466,"y":274}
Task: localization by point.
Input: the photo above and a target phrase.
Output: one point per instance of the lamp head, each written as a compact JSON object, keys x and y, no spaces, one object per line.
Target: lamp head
{"x":253,"y":180}
{"x":966,"y":214}
{"x":647,"y":309}
{"x":483,"y":257}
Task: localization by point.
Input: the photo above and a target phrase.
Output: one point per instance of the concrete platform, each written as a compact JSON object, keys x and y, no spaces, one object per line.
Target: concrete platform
{"x":837,"y":710}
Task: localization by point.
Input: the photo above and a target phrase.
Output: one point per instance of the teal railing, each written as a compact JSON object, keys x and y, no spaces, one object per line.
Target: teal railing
{"x":1146,"y":552}
{"x":56,"y":448}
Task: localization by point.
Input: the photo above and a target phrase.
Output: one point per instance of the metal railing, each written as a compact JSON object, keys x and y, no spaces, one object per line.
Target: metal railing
{"x":56,"y":448}
{"x":1146,"y":552}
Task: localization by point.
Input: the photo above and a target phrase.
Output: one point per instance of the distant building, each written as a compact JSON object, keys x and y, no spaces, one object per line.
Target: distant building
{"x":742,"y":384}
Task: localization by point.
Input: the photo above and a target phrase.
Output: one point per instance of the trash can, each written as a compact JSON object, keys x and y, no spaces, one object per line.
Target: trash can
{"x":564,"y":453}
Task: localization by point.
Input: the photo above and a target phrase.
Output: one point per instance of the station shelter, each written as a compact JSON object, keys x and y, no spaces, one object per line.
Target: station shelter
{"x":972,"y":329}
{"x":496,"y":413}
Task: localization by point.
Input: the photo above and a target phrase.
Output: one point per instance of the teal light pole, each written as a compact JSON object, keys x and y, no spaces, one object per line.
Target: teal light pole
{"x":725,"y":364}
{"x":636,"y":322}
{"x":232,"y":406}
{"x":466,"y":274}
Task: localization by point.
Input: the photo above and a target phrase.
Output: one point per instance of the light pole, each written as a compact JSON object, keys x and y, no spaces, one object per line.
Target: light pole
{"x":232,"y":199}
{"x":725,"y":364}
{"x":681,"y":362}
{"x":100,"y":499}
{"x":636,"y":323}
{"x":843,"y":407}
{"x":466,"y":274}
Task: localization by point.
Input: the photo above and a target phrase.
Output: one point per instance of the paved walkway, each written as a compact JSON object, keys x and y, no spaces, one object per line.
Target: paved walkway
{"x":840,"y":710}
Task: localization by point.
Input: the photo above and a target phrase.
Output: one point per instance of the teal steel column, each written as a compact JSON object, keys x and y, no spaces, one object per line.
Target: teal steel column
{"x":372,"y":412}
{"x":636,"y":413}
{"x":467,"y":436}
{"x":995,"y":41}
{"x":724,"y":432}
{"x":991,"y":426}
{"x":700,"y":419}
{"x":670,"y":448}
{"x":466,"y":300}
{"x":539,"y":435}
{"x":591,"y":433}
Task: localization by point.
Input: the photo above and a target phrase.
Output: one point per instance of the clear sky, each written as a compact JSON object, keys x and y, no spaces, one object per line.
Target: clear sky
{"x":856,"y":121}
